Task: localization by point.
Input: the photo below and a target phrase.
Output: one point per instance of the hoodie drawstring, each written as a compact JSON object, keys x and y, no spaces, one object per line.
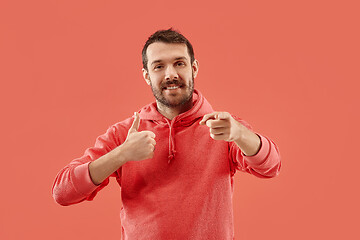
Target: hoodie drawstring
{"x":172,"y":150}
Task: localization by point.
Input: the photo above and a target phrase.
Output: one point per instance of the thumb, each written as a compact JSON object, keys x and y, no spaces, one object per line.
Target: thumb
{"x":222,"y":115}
{"x":136,"y":123}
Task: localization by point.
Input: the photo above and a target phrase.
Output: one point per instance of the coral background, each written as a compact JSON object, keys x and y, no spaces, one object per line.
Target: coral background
{"x":70,"y":69}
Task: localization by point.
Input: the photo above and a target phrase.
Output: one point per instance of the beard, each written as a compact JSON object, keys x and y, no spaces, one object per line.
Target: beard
{"x":185,"y":98}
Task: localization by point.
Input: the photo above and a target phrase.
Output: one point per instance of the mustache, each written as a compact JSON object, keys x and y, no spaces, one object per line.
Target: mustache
{"x":173,"y":82}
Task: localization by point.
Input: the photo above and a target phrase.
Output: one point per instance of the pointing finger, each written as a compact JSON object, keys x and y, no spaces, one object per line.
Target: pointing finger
{"x":207,"y":117}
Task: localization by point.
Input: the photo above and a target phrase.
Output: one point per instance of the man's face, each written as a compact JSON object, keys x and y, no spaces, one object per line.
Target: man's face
{"x":170,"y":73}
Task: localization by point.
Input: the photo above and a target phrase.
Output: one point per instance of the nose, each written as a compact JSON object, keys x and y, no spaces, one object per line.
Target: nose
{"x":171,"y":73}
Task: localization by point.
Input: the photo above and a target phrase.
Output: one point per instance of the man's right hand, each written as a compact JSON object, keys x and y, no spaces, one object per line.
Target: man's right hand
{"x":138,"y":145}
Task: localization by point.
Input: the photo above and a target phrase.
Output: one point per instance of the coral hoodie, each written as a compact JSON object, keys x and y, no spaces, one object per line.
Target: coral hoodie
{"x":185,"y":190}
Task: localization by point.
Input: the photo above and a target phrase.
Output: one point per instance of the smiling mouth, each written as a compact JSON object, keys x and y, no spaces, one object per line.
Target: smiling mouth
{"x":172,"y":87}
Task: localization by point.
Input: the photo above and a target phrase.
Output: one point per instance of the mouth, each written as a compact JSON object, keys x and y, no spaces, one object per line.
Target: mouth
{"x":172,"y":87}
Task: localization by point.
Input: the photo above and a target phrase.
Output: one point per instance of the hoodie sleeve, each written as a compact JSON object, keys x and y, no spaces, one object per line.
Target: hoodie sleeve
{"x":265,"y":164}
{"x":73,"y":183}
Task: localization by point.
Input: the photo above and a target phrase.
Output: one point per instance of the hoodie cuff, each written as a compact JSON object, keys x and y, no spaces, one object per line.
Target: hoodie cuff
{"x":261,"y":155}
{"x":82,"y":180}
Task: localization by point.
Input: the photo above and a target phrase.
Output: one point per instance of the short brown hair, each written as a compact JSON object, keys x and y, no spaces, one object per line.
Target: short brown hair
{"x":167,"y":36}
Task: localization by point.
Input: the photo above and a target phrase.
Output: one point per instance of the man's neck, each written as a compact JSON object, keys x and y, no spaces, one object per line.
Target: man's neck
{"x":171,"y":112}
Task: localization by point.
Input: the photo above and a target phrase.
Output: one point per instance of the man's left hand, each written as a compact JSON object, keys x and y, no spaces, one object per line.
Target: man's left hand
{"x":222,"y":126}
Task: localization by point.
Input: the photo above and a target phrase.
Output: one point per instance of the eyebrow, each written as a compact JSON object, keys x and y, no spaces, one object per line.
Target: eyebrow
{"x":178,"y":58}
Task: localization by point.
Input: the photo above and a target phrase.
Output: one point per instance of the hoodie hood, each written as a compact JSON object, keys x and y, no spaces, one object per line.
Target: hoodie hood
{"x":200,"y":107}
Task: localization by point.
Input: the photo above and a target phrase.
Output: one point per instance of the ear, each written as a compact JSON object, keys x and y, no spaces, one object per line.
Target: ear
{"x":146,"y":76}
{"x":195,"y":67}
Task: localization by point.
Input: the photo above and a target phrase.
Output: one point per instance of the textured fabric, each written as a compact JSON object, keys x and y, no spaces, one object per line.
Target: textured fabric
{"x":185,"y":190}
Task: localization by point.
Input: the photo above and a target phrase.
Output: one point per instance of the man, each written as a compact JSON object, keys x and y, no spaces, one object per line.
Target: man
{"x":175,"y":159}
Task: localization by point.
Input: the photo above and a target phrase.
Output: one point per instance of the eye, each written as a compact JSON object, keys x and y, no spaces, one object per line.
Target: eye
{"x":158,"y":67}
{"x":180,"y":64}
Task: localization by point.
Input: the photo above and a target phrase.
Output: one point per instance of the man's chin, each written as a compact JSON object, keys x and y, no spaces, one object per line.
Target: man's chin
{"x":174,"y":102}
{"x":173,"y":99}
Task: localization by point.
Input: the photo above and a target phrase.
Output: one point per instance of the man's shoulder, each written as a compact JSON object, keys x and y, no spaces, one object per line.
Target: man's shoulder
{"x":123,"y":125}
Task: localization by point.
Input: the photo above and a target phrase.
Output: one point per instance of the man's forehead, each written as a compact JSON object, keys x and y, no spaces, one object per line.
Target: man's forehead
{"x":163,"y":51}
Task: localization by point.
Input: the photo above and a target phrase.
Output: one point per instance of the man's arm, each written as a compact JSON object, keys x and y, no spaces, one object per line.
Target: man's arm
{"x":84,"y":177}
{"x":258,"y":156}
{"x":137,"y":146}
{"x":247,"y":140}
